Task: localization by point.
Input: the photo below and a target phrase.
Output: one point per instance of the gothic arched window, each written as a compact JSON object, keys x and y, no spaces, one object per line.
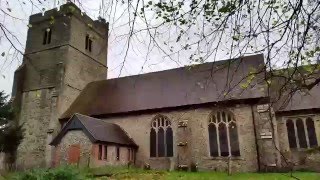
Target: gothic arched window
{"x":311,"y":133}
{"x":291,"y":134}
{"x":161,"y":137}
{"x":223,"y":134}
{"x":301,"y":132}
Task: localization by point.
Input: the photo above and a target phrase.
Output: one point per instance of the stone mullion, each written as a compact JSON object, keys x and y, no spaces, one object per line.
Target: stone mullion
{"x":165,"y":140}
{"x":228,"y":138}
{"x":157,"y":139}
{"x":296,"y":133}
{"x":218,"y":140}
{"x":306,"y":132}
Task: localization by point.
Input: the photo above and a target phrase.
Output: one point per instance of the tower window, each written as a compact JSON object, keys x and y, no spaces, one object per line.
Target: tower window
{"x":88,"y":43}
{"x":47,"y":36}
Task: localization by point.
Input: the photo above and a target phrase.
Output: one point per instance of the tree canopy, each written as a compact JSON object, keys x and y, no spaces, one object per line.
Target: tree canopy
{"x":5,"y":109}
{"x":11,"y":134}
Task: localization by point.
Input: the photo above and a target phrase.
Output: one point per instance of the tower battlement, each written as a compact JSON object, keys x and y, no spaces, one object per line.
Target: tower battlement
{"x":70,"y":9}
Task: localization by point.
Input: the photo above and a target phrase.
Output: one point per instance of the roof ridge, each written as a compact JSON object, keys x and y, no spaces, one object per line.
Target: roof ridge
{"x":219,"y":62}
{"x":169,"y":88}
{"x":75,"y":114}
{"x":85,"y":125}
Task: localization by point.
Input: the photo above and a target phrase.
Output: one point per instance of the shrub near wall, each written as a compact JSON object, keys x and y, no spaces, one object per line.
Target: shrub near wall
{"x":312,"y":161}
{"x":61,"y":173}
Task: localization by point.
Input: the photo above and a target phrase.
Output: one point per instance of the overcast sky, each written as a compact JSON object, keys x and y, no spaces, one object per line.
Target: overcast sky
{"x":146,"y":53}
{"x":138,"y":60}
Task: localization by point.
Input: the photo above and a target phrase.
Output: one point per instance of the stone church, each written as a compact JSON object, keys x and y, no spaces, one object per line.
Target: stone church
{"x":201,"y":115}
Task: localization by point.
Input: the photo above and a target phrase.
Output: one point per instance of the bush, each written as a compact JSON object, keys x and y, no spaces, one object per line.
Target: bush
{"x":193,"y":167}
{"x":146,"y":166}
{"x":65,"y":173}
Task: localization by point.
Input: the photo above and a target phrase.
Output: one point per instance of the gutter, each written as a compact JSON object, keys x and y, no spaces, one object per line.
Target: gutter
{"x":255,"y":139}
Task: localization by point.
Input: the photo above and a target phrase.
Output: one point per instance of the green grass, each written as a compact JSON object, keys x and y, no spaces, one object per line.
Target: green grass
{"x":114,"y":170}
{"x":241,"y":176}
{"x":134,"y":173}
{"x":60,"y":173}
{"x":112,"y":173}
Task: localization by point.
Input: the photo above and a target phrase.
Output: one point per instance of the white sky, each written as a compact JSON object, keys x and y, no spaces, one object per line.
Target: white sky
{"x":138,"y":60}
{"x":143,"y":55}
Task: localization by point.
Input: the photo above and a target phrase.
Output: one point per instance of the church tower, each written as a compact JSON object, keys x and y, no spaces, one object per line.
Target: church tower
{"x":65,"y":50}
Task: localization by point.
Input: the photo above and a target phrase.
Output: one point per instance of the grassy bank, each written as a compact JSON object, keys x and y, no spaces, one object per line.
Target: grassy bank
{"x":133,"y":173}
{"x":72,"y":173}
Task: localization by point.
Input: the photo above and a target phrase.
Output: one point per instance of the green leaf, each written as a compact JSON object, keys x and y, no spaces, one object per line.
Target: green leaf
{"x":235,"y":38}
{"x":3,"y":53}
{"x":308,"y":69}
{"x":72,"y":9}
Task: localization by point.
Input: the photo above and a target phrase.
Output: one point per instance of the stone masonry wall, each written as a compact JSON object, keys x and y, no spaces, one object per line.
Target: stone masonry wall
{"x":138,"y":127}
{"x":302,"y":158}
{"x":79,"y":71}
{"x":267,"y":138}
{"x":111,"y":156}
{"x":35,"y":115}
{"x":99,"y":40}
{"x":88,"y":151}
{"x":75,"y":137}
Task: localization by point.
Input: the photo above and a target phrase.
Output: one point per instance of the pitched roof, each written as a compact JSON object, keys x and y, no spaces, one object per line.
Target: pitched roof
{"x":300,"y":101}
{"x":288,"y":96}
{"x":97,"y":130}
{"x":190,"y":85}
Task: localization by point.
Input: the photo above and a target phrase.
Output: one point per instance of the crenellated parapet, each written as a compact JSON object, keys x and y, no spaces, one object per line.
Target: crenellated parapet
{"x":70,"y":9}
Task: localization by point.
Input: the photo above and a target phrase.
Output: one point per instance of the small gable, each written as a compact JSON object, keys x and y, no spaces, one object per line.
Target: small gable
{"x":96,"y":130}
{"x":73,"y":124}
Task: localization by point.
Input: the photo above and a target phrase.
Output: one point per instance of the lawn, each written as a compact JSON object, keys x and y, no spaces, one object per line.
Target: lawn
{"x":112,"y":173}
{"x":124,"y":173}
{"x":213,"y":175}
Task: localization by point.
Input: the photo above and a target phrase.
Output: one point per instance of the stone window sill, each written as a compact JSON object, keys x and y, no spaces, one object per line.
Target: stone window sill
{"x":160,"y":158}
{"x":302,"y":149}
{"x":225,"y":158}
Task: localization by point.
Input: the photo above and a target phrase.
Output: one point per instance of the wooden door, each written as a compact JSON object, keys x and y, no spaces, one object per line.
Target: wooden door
{"x":74,"y":154}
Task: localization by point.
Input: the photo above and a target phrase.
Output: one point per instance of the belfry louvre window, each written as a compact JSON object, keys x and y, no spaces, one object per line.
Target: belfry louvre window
{"x":47,"y":36}
{"x":223,"y":134}
{"x":301,"y":132}
{"x":88,"y":43}
{"x":161,"y":137}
